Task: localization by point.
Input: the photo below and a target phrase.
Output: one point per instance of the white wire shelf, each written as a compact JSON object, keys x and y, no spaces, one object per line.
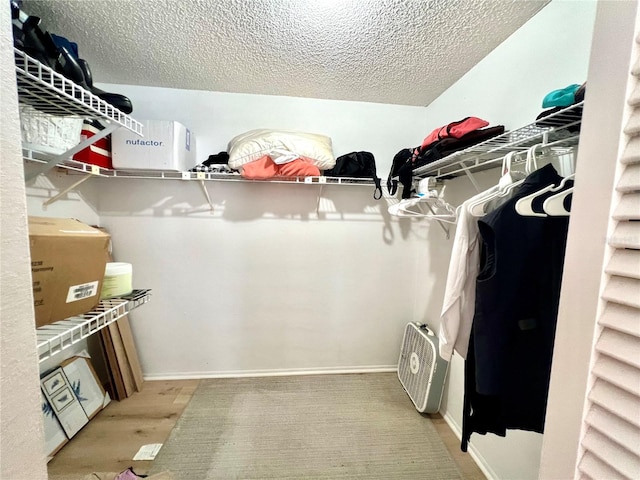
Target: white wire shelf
{"x":555,"y":128}
{"x":61,"y":335}
{"x":80,"y":167}
{"x":49,"y":92}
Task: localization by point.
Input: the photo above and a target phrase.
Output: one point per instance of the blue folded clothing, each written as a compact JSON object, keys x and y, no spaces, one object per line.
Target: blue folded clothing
{"x":561,"y":98}
{"x":72,"y":47}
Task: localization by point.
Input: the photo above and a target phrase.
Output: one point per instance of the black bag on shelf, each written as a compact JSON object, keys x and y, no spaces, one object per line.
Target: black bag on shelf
{"x":399,"y":160}
{"x":357,"y":165}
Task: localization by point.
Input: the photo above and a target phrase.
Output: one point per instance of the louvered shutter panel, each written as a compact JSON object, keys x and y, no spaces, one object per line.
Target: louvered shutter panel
{"x":610,"y":444}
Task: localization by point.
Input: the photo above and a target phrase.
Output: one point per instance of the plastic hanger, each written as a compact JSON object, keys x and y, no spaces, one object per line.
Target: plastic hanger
{"x":530,"y":159}
{"x":406,"y":208}
{"x":554,"y":205}
{"x":476,"y":208}
{"x":437,"y":208}
{"x":524,"y":206}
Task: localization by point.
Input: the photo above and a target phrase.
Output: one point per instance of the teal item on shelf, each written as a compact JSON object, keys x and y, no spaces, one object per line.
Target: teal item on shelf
{"x":560,"y":98}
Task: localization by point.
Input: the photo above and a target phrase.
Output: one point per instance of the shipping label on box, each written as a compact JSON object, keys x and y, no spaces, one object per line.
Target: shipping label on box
{"x":166,"y":145}
{"x":68,"y":260}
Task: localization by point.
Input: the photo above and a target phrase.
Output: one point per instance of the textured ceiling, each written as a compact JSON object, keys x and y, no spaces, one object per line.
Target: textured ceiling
{"x":389,"y":51}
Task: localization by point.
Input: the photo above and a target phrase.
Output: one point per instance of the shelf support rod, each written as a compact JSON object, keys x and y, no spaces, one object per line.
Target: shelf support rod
{"x":472,"y":179}
{"x":446,"y":229}
{"x":69,"y":153}
{"x":206,"y":194}
{"x":57,"y":197}
{"x":318,"y":200}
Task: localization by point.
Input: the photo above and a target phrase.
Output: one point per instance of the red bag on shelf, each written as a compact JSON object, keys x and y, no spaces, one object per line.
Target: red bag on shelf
{"x":454,"y":130}
{"x":98,"y":153}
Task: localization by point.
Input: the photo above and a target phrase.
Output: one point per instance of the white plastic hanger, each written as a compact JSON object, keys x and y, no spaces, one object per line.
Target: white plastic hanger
{"x":554,"y":205}
{"x":414,"y":207}
{"x":524,"y":205}
{"x":476,"y":208}
{"x":406,"y":208}
{"x":529,"y":166}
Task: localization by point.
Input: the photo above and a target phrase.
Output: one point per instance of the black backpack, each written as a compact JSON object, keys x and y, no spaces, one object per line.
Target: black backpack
{"x":357,"y":165}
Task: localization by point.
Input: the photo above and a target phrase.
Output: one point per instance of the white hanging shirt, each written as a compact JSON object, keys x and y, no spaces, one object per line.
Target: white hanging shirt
{"x":460,"y":292}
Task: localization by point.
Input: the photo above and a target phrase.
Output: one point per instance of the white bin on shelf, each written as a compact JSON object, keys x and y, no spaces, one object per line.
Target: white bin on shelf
{"x":166,"y":145}
{"x":47,"y":133}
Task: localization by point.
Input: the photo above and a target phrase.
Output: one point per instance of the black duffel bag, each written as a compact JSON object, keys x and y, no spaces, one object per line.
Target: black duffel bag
{"x":357,"y":165}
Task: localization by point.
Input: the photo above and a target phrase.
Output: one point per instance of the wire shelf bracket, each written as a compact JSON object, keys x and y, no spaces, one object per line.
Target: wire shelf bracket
{"x":58,"y":336}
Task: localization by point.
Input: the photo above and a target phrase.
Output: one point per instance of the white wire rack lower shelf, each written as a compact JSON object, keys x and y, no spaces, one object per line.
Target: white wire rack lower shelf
{"x":61,"y":335}
{"x":88,"y":169}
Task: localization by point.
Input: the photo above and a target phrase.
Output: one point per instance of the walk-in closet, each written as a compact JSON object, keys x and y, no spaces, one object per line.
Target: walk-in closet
{"x":266,"y":332}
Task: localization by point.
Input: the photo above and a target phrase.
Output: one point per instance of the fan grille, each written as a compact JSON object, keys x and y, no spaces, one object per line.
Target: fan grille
{"x":416,"y":364}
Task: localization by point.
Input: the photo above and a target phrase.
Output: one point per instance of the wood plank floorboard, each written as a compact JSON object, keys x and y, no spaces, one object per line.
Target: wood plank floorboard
{"x":111,"y":439}
{"x":109,"y":442}
{"x":467,"y":466}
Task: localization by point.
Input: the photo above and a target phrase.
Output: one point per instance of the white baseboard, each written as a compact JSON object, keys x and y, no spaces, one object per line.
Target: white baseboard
{"x":472,"y":450}
{"x":271,"y":373}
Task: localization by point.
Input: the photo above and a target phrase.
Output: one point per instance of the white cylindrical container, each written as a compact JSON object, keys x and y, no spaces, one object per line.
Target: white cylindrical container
{"x":117,"y":280}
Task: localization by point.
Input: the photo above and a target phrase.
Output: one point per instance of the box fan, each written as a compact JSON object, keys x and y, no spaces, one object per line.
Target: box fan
{"x":421,"y":369}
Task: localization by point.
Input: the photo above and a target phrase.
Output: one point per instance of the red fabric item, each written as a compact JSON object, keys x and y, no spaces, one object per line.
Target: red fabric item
{"x":454,"y":129}
{"x":265,"y":168}
{"x":260,"y":169}
{"x":298,"y":168}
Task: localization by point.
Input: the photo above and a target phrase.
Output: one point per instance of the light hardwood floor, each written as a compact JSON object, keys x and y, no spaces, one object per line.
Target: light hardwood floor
{"x":109,"y":442}
{"x":111,"y":439}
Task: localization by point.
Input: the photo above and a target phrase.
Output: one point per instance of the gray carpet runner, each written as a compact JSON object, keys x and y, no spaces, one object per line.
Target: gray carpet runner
{"x":299,"y":427}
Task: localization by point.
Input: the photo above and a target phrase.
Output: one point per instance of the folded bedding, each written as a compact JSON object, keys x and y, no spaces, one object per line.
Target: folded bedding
{"x":281,"y":147}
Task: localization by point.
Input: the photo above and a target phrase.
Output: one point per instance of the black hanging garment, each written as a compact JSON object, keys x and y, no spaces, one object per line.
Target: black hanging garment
{"x":517,"y":295}
{"x":400,"y":158}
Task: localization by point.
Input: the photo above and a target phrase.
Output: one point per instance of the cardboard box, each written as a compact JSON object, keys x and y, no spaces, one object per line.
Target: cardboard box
{"x":68,"y":260}
{"x":166,"y":145}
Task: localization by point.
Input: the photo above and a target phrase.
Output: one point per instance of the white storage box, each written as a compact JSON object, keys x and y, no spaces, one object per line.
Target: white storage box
{"x":47,"y":133}
{"x":166,"y":145}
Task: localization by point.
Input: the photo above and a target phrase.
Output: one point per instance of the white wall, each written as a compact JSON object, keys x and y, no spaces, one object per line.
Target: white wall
{"x":22,"y":437}
{"x":80,"y":203}
{"x":549,"y":52}
{"x":265,"y":283}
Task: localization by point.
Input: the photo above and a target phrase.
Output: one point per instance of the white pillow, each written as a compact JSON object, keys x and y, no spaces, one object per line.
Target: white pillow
{"x":254,"y":144}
